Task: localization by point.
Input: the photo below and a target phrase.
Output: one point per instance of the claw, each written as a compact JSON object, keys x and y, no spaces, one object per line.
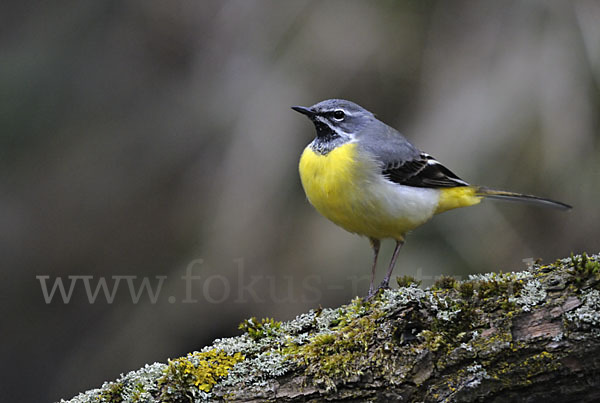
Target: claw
{"x":373,"y":294}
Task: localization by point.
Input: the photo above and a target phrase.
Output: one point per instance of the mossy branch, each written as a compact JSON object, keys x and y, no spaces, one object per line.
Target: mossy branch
{"x":527,"y":336}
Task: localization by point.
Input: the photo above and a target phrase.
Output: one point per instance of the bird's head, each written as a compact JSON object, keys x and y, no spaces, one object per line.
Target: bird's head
{"x":336,"y":119}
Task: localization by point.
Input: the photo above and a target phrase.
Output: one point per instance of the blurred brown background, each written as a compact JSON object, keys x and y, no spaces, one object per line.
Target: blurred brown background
{"x":138,"y":136}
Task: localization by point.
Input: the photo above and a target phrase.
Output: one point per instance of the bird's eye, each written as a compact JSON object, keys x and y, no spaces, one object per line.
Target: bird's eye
{"x":339,"y":114}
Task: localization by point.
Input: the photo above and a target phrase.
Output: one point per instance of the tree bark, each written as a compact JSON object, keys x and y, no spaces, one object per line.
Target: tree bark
{"x":530,"y":336}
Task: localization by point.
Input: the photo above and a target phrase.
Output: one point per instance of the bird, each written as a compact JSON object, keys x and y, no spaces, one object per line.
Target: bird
{"x":367,"y":178}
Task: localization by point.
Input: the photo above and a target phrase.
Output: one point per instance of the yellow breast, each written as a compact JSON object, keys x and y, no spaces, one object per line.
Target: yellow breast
{"x":347,"y":188}
{"x":331,"y":181}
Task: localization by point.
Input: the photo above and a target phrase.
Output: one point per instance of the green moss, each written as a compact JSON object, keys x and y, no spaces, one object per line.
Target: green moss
{"x":432,"y":341}
{"x":466,"y":289}
{"x":343,"y":352}
{"x":499,"y":290}
{"x":335,"y":353}
{"x":258,"y":329}
{"x":455,"y":330}
{"x":447,"y":327}
{"x":498,"y":286}
{"x":522,"y":371}
{"x":499,"y":339}
{"x":444,"y":283}
{"x":113,"y":393}
{"x":137,"y":393}
{"x":201,"y":370}
{"x":508,"y":305}
{"x":407,"y":281}
{"x":584,"y":269}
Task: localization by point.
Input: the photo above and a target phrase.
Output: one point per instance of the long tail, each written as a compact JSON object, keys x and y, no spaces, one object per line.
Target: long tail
{"x":518,"y":197}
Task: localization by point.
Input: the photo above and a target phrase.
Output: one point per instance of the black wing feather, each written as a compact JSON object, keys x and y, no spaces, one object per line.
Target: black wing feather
{"x":422,"y":172}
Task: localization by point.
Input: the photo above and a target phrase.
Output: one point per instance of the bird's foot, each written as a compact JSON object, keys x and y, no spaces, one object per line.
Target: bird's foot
{"x":373,"y":292}
{"x":385,"y":284}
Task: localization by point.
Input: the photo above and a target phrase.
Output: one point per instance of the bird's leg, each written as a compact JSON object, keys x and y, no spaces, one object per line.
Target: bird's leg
{"x":386,"y":281}
{"x":375,"y":244}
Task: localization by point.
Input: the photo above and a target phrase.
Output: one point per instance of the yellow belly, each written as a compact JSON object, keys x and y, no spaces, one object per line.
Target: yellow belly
{"x":348,"y":189}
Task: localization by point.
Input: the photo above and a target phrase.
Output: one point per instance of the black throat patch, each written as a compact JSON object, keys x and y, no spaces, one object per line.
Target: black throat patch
{"x":326,"y":139}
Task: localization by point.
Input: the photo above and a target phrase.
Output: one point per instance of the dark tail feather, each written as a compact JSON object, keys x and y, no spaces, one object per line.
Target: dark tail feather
{"x":518,"y":197}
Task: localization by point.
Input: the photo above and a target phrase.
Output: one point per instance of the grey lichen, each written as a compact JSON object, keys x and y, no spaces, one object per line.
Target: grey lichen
{"x":531,"y":294}
{"x":393,"y":299}
{"x":589,"y":313}
{"x":493,"y":276}
{"x":135,"y":386}
{"x":477,"y":374}
{"x":255,"y":372}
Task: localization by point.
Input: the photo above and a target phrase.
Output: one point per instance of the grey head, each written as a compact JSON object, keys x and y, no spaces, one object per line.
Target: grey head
{"x":337,"y":121}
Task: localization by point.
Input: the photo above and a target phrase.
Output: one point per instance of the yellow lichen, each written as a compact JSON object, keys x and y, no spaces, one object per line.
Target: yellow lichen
{"x":202,"y":369}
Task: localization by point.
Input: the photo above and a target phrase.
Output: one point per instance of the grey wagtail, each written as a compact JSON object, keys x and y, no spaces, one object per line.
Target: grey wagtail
{"x":367,"y":178}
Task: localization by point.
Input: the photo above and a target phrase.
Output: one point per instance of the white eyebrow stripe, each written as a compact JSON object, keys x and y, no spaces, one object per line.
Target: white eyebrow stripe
{"x":333,"y":128}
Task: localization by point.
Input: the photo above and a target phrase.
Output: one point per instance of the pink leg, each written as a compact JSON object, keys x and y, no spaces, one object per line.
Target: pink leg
{"x":386,"y":281}
{"x":375,"y":244}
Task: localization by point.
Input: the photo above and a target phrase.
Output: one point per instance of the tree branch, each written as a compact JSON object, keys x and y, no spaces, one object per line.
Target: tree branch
{"x":527,"y":336}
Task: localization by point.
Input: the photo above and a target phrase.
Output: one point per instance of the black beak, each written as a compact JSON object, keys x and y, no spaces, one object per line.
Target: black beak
{"x":303,"y":110}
